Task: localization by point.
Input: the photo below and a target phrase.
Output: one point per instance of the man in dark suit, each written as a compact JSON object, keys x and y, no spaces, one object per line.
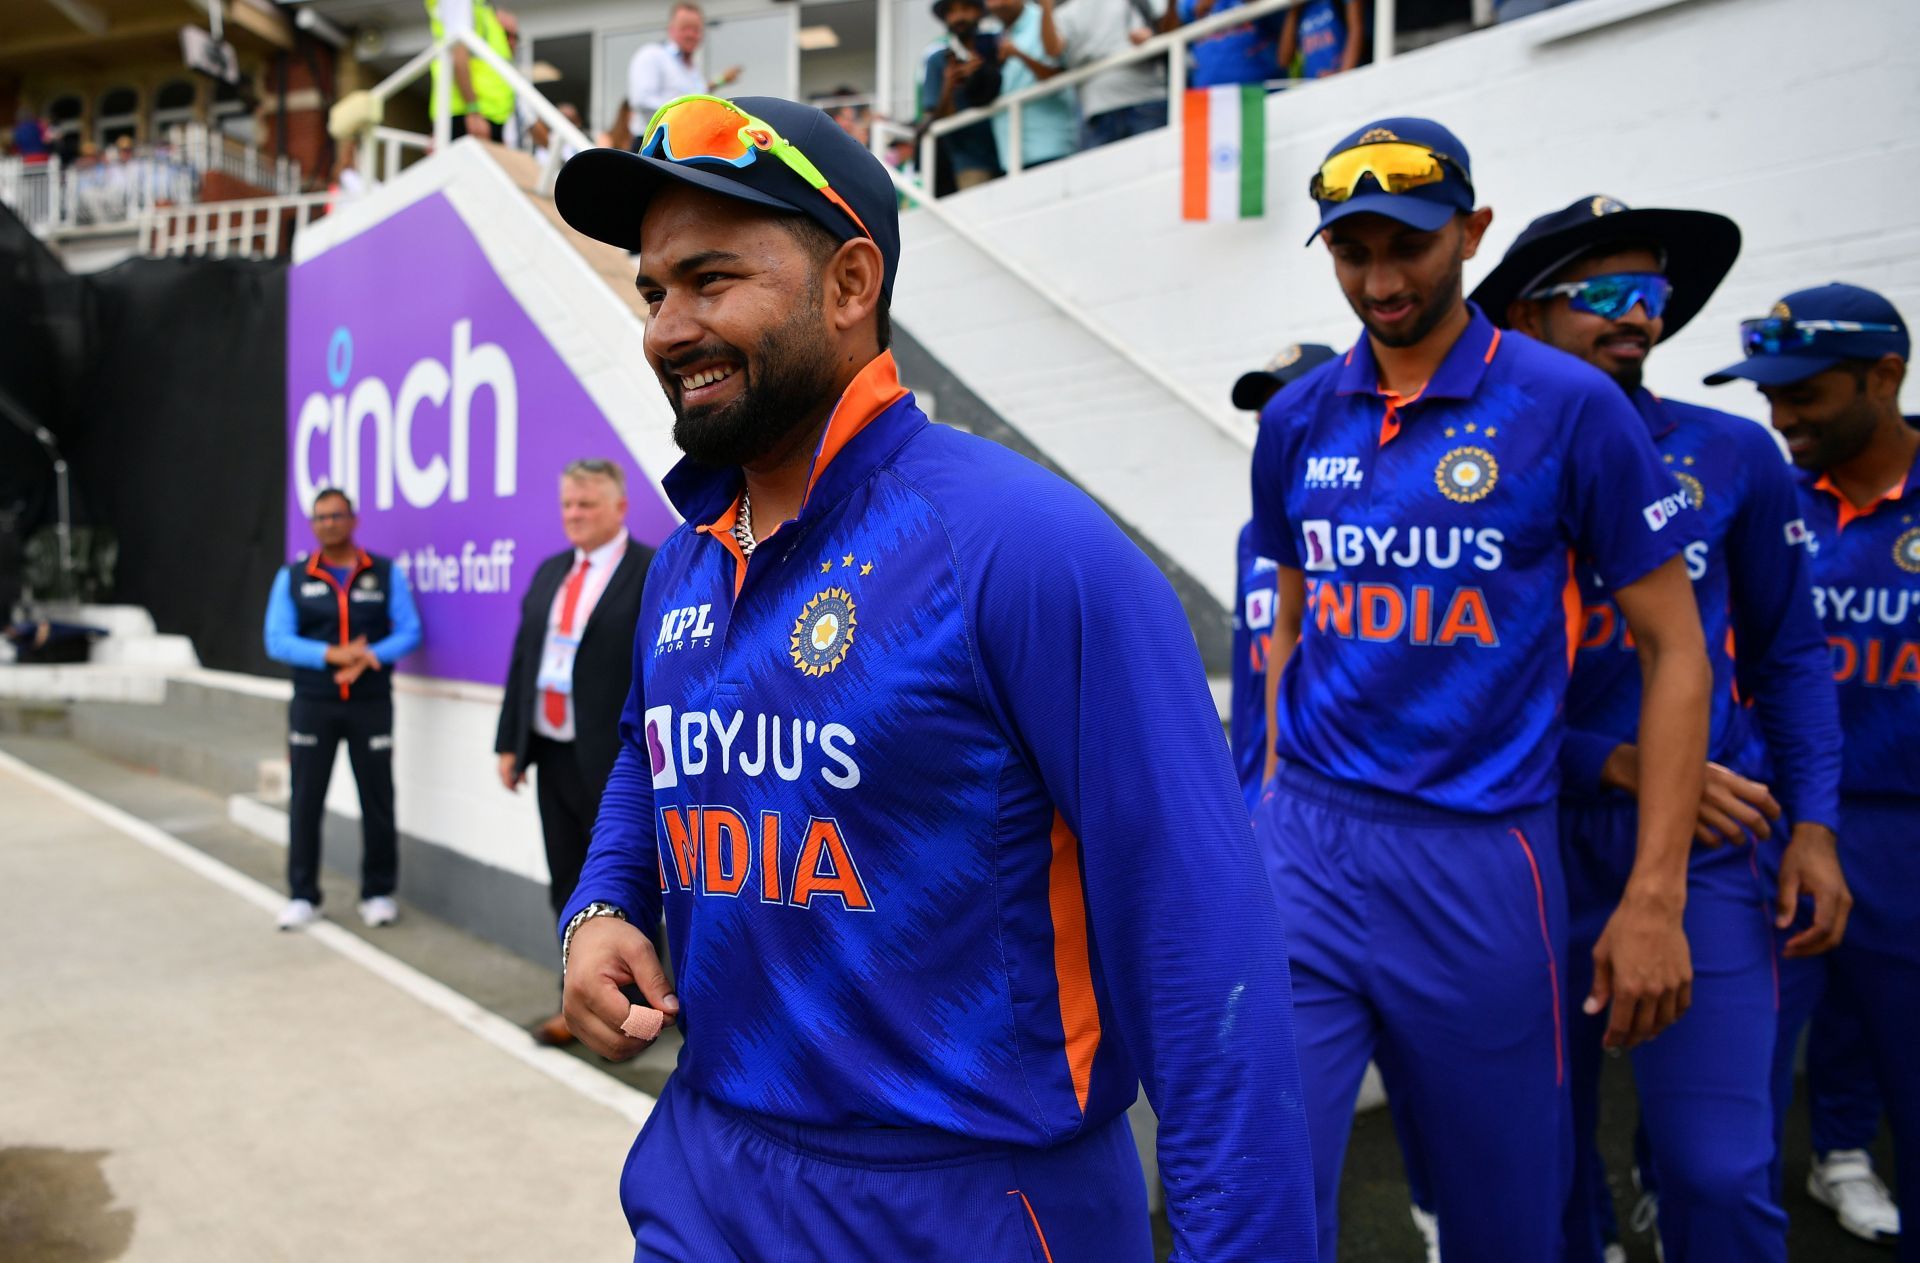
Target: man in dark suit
{"x":571,"y":669}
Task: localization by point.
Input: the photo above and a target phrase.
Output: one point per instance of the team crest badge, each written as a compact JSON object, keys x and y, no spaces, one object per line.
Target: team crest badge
{"x":1289,"y":354}
{"x":1906,"y":551}
{"x":822,"y":632}
{"x":1375,"y":136}
{"x":1780,"y":312}
{"x":1467,"y":474}
{"x":1696,"y":491}
{"x":1607,"y":206}
{"x":368,"y":582}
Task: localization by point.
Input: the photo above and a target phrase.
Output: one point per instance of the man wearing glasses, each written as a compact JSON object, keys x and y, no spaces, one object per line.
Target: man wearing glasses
{"x":1831,"y":362}
{"x":1607,"y":283}
{"x":1422,"y":496}
{"x":340,"y":617}
{"x":931,"y":843}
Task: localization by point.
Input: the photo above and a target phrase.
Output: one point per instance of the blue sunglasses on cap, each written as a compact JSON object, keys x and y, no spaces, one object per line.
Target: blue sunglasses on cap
{"x":1613,"y":295}
{"x":1776,"y":335}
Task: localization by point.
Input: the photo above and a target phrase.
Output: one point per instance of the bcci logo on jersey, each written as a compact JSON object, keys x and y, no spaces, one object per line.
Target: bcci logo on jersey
{"x":1906,"y":551}
{"x":823,"y":632}
{"x":1467,"y":474}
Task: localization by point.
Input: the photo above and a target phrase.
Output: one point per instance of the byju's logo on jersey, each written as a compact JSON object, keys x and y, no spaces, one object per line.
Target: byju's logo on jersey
{"x":823,"y":632}
{"x":1317,"y":534}
{"x":1664,"y":510}
{"x":1906,"y":551}
{"x":1467,"y":474}
{"x":1798,"y":534}
{"x":687,"y":626}
{"x":1334,"y":471}
{"x":1259,"y":610}
{"x":666,"y":773}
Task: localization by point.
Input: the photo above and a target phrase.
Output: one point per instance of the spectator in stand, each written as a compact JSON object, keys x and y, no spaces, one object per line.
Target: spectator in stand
{"x":961,"y":73}
{"x":662,"y":72}
{"x":1048,"y":124}
{"x":1327,"y":36}
{"x":32,"y":139}
{"x":543,"y":140}
{"x":478,"y":96}
{"x":1119,"y":103}
{"x":1418,"y":23}
{"x":1248,"y":53}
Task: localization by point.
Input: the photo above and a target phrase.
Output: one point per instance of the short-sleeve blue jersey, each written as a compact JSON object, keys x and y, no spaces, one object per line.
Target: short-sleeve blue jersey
{"x":935,"y":793}
{"x":1437,"y":535}
{"x":1866,"y":590}
{"x":1252,"y":639}
{"x":1751,"y":580}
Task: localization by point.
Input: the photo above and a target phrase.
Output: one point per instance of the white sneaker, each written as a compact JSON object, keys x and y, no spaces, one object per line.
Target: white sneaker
{"x":1429,"y":1226}
{"x":1614,"y":1253}
{"x":378,"y":911}
{"x":1645,"y":1215}
{"x":1845,"y":1184}
{"x":297,"y":913}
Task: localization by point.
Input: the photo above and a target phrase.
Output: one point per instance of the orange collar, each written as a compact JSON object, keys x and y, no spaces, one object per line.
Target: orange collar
{"x":1848,"y":512}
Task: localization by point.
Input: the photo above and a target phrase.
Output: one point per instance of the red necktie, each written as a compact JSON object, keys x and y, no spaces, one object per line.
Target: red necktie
{"x":556,"y":703}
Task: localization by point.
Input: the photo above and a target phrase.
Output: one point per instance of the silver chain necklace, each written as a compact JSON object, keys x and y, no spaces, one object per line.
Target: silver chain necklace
{"x":743,"y":525}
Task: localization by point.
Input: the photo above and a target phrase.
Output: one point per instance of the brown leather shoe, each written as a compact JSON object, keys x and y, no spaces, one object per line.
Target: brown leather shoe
{"x":553,"y":1032}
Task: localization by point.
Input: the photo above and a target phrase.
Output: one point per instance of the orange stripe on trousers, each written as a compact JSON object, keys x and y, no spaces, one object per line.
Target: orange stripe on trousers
{"x":1072,"y":967}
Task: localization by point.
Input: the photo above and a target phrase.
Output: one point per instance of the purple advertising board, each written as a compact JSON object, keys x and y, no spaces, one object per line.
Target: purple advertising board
{"x":417,"y":384}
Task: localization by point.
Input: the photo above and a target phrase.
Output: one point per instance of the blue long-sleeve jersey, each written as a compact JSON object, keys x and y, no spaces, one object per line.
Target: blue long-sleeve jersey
{"x":937,"y":801}
{"x":1752,"y":582}
{"x":285,"y":644}
{"x":1254,"y":592}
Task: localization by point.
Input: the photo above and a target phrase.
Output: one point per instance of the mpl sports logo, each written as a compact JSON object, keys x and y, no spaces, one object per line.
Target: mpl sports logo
{"x":1665,"y":509}
{"x":688,"y":626}
{"x":1334,"y":471}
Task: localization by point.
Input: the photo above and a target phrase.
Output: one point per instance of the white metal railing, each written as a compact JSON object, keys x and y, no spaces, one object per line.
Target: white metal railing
{"x":385,"y":144}
{"x":253,"y":228}
{"x":1171,"y":45}
{"x":123,"y":186}
{"x":1096,"y":328}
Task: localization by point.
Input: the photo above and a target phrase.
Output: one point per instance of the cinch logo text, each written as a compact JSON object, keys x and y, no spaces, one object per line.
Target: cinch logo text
{"x":712,"y":851}
{"x":342,"y":418}
{"x":1381,"y":612}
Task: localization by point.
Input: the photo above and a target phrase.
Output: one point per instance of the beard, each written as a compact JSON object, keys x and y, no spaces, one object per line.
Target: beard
{"x":1438,"y":306}
{"x":787,"y":381}
{"x":1840,"y":440}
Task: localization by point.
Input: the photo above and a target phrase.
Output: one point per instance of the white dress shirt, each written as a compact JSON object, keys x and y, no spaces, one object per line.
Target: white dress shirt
{"x":601,"y":563}
{"x":656,"y":75}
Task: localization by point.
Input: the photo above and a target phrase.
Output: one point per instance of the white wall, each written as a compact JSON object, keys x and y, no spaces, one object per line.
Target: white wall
{"x":1800,"y":121}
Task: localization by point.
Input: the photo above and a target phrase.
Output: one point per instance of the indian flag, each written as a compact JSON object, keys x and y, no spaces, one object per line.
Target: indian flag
{"x":1225,"y":153}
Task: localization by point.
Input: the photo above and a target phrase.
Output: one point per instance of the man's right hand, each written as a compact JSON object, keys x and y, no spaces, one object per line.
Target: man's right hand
{"x":1642,"y":970}
{"x":607,"y":954}
{"x":477,"y":125}
{"x":1731,"y":806}
{"x":347,"y":654}
{"x":513,"y":778}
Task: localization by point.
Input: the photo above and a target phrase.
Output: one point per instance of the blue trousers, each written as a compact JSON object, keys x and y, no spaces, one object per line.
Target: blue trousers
{"x":1434,"y":940}
{"x":707,"y":1182}
{"x":1870,"y":985}
{"x":1706,"y":1102}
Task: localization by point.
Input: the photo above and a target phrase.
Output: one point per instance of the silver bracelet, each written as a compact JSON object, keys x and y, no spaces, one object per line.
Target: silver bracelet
{"x":580,"y":918}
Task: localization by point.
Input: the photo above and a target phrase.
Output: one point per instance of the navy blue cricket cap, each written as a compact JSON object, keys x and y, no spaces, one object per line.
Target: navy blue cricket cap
{"x":1846,"y":304}
{"x":1425,"y":208}
{"x":1252,"y":390}
{"x":604,"y":192}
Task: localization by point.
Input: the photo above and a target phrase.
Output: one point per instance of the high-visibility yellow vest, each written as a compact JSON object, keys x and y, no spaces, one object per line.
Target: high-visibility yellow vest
{"x":494,"y":97}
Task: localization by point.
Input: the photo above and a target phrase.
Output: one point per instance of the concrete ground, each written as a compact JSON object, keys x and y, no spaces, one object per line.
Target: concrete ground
{"x":200,"y":1087}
